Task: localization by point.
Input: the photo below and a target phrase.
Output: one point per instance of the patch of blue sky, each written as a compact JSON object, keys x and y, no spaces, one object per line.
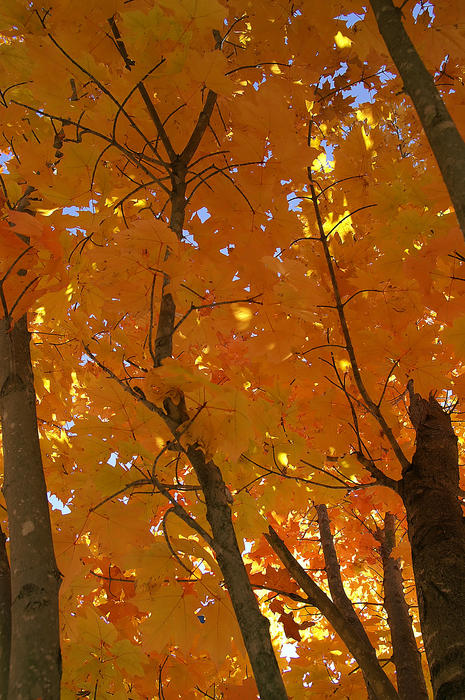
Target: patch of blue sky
{"x":74,"y":210}
{"x":351,"y":18}
{"x":187,"y":237}
{"x":289,"y":651}
{"x":422,"y":7}
{"x":70,"y":211}
{"x":361,"y":94}
{"x":386,"y":75}
{"x":330,"y":78}
{"x":203,"y":214}
{"x":113,"y":461}
{"x":247,"y":546}
{"x":4,"y":158}
{"x":58,"y":504}
{"x":293,"y":202}
{"x":84,"y":359}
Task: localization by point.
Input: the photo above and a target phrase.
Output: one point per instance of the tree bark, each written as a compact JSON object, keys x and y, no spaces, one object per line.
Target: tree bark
{"x":407,"y":660}
{"x":336,"y":587}
{"x":254,"y":626}
{"x":5,"y":617}
{"x":360,"y":648}
{"x":443,"y":136}
{"x":429,"y":489}
{"x":35,"y":666}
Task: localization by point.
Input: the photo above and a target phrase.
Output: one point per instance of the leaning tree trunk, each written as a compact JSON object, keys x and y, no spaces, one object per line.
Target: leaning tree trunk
{"x":358,"y":645}
{"x":336,"y":587}
{"x":253,"y":625}
{"x":410,"y":679}
{"x":436,"y":528}
{"x":35,"y":666}
{"x":444,"y":138}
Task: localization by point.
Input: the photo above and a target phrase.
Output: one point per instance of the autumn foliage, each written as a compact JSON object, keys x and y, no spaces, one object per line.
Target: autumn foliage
{"x":243,"y":278}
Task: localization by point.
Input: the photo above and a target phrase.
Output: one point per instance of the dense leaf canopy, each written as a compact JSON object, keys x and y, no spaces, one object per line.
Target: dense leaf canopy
{"x":258,"y":170}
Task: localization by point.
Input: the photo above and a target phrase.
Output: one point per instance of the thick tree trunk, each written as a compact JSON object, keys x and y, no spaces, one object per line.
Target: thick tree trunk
{"x":410,"y":679}
{"x":429,"y":489}
{"x":35,"y":666}
{"x":336,"y":587}
{"x":359,"y":646}
{"x":5,"y":617}
{"x":254,"y":626}
{"x":444,"y":138}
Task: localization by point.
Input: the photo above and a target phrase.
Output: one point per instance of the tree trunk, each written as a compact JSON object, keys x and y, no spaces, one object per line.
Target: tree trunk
{"x":254,"y":626}
{"x":336,"y":587}
{"x":429,"y":489}
{"x":444,"y":138}
{"x":407,"y":660}
{"x":5,"y":617}
{"x":359,"y":646}
{"x":35,"y":666}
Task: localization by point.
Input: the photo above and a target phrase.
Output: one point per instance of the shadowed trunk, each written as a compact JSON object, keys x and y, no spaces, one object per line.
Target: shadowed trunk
{"x":443,"y":136}
{"x":5,"y":617}
{"x":358,"y":645}
{"x":407,"y":660}
{"x":253,"y":625}
{"x":429,"y":489}
{"x":35,"y":667}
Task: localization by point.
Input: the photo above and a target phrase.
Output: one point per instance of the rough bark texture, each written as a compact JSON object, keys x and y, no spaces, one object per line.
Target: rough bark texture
{"x":359,"y":646}
{"x":336,"y":587}
{"x":410,"y":679}
{"x":429,"y":489}
{"x":5,"y":617}
{"x":35,"y":666}
{"x":444,"y":138}
{"x":254,"y":626}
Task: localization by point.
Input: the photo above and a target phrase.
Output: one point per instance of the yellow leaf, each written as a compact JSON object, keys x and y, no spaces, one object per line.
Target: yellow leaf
{"x":342,"y":42}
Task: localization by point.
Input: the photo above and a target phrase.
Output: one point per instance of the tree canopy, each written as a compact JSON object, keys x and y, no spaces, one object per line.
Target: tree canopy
{"x":233,"y":230}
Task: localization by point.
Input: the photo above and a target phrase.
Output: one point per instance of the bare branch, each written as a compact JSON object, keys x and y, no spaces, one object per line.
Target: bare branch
{"x":249,"y":300}
{"x":202,"y":122}
{"x":376,"y":473}
{"x":372,"y":407}
{"x":182,"y":513}
{"x":138,"y":395}
{"x":133,"y":484}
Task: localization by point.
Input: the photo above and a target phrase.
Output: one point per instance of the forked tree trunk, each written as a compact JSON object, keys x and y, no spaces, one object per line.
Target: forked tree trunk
{"x":443,"y":136}
{"x":410,"y":679}
{"x":35,"y":666}
{"x":436,"y":528}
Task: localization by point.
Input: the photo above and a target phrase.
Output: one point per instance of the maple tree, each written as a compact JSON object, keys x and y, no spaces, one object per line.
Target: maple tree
{"x":226,"y":233}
